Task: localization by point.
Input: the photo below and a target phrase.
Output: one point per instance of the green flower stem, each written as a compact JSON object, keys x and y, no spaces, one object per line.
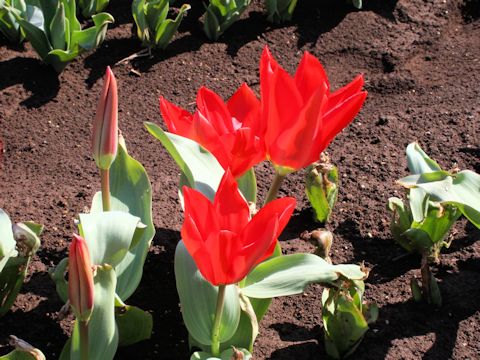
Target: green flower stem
{"x":274,"y":187}
{"x":105,"y":179}
{"x":217,"y":320}
{"x":83,"y":325}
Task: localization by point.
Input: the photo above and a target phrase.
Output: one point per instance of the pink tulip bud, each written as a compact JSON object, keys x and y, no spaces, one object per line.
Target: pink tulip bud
{"x":105,"y":128}
{"x":80,"y":279}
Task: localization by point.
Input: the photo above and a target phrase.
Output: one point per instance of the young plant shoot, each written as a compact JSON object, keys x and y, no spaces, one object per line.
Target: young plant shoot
{"x":153,"y":27}
{"x":346,"y":316}
{"x":437,"y":199}
{"x":9,"y":26}
{"x":221,"y":14}
{"x":56,"y":34}
{"x":321,"y":187}
{"x":280,"y":11}
{"x":19,"y":242}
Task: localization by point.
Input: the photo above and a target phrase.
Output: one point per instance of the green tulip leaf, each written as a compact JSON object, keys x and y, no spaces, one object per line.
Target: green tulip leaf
{"x":419,"y":162}
{"x":134,"y":324}
{"x":322,"y":190}
{"x":291,"y":274}
{"x":199,"y":298}
{"x":58,"y":276}
{"x":344,"y":324}
{"x":8,"y":243}
{"x":11,"y":281}
{"x":108,"y":235}
{"x":279,"y":11}
{"x":131,"y":193}
{"x":200,"y":169}
{"x":461,"y":190}
{"x":221,"y":14}
{"x":247,"y":184}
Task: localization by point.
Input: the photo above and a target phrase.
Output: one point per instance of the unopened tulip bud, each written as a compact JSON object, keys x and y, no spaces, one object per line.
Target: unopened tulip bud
{"x":105,"y":127}
{"x":80,"y":279}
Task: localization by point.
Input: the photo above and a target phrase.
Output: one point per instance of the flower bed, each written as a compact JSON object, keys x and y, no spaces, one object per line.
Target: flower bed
{"x":421,"y":74}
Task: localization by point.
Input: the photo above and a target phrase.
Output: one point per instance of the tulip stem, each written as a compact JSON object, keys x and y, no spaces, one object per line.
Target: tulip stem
{"x":83,"y":327}
{"x":274,"y":187}
{"x":105,"y":179}
{"x":217,"y":320}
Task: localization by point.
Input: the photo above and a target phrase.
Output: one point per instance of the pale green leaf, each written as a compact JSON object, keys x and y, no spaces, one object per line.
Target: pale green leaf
{"x":199,"y":298}
{"x":132,"y":193}
{"x":134,"y":324}
{"x":291,"y":274}
{"x":200,"y":168}
{"x":108,"y":235}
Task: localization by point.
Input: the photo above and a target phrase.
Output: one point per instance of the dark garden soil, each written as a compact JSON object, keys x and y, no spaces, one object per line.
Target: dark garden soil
{"x":421,"y":59}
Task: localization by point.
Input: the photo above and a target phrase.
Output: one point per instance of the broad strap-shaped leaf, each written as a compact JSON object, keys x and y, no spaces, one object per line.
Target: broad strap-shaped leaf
{"x":108,"y":235}
{"x":11,"y":281}
{"x":247,"y":184}
{"x":134,"y":324}
{"x":200,"y":169}
{"x":102,"y":329}
{"x":291,"y":274}
{"x":166,"y":29}
{"x":132,"y":193}
{"x":199,"y":298}
{"x":419,"y":162}
{"x":461,"y":190}
{"x":7,"y":242}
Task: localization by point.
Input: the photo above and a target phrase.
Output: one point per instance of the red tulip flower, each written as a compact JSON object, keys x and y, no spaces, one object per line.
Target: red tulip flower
{"x":225,"y":242}
{"x":105,"y":127}
{"x":80,"y":279}
{"x":231,"y":131}
{"x":300,"y":115}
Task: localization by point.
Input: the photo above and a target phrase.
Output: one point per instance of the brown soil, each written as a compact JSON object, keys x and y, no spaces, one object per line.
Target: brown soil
{"x":421,"y":59}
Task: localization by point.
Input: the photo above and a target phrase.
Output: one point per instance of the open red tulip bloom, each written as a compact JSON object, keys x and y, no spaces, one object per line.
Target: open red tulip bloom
{"x":224,"y":241}
{"x":80,"y":279}
{"x":300,"y":116}
{"x":229,"y":131}
{"x":105,"y":127}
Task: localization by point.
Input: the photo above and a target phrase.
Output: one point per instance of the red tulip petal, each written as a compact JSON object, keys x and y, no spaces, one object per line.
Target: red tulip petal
{"x":200,"y":217}
{"x":225,"y":252}
{"x":284,"y":105}
{"x":283,"y":208}
{"x":215,"y":111}
{"x":310,"y":76}
{"x":257,"y":238}
{"x":178,"y":120}
{"x":268,"y":65}
{"x":296,"y":145}
{"x":231,"y":208}
{"x":246,"y":152}
{"x":199,"y":250}
{"x":339,"y":117}
{"x":345,"y":92}
{"x":80,"y":284}
{"x":242,"y":105}
{"x":206,"y":135}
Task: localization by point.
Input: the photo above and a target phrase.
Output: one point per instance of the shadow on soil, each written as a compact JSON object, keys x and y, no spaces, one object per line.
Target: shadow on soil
{"x":39,"y":79}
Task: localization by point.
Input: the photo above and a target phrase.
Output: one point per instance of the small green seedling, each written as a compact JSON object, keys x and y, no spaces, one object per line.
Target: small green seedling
{"x":437,"y":199}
